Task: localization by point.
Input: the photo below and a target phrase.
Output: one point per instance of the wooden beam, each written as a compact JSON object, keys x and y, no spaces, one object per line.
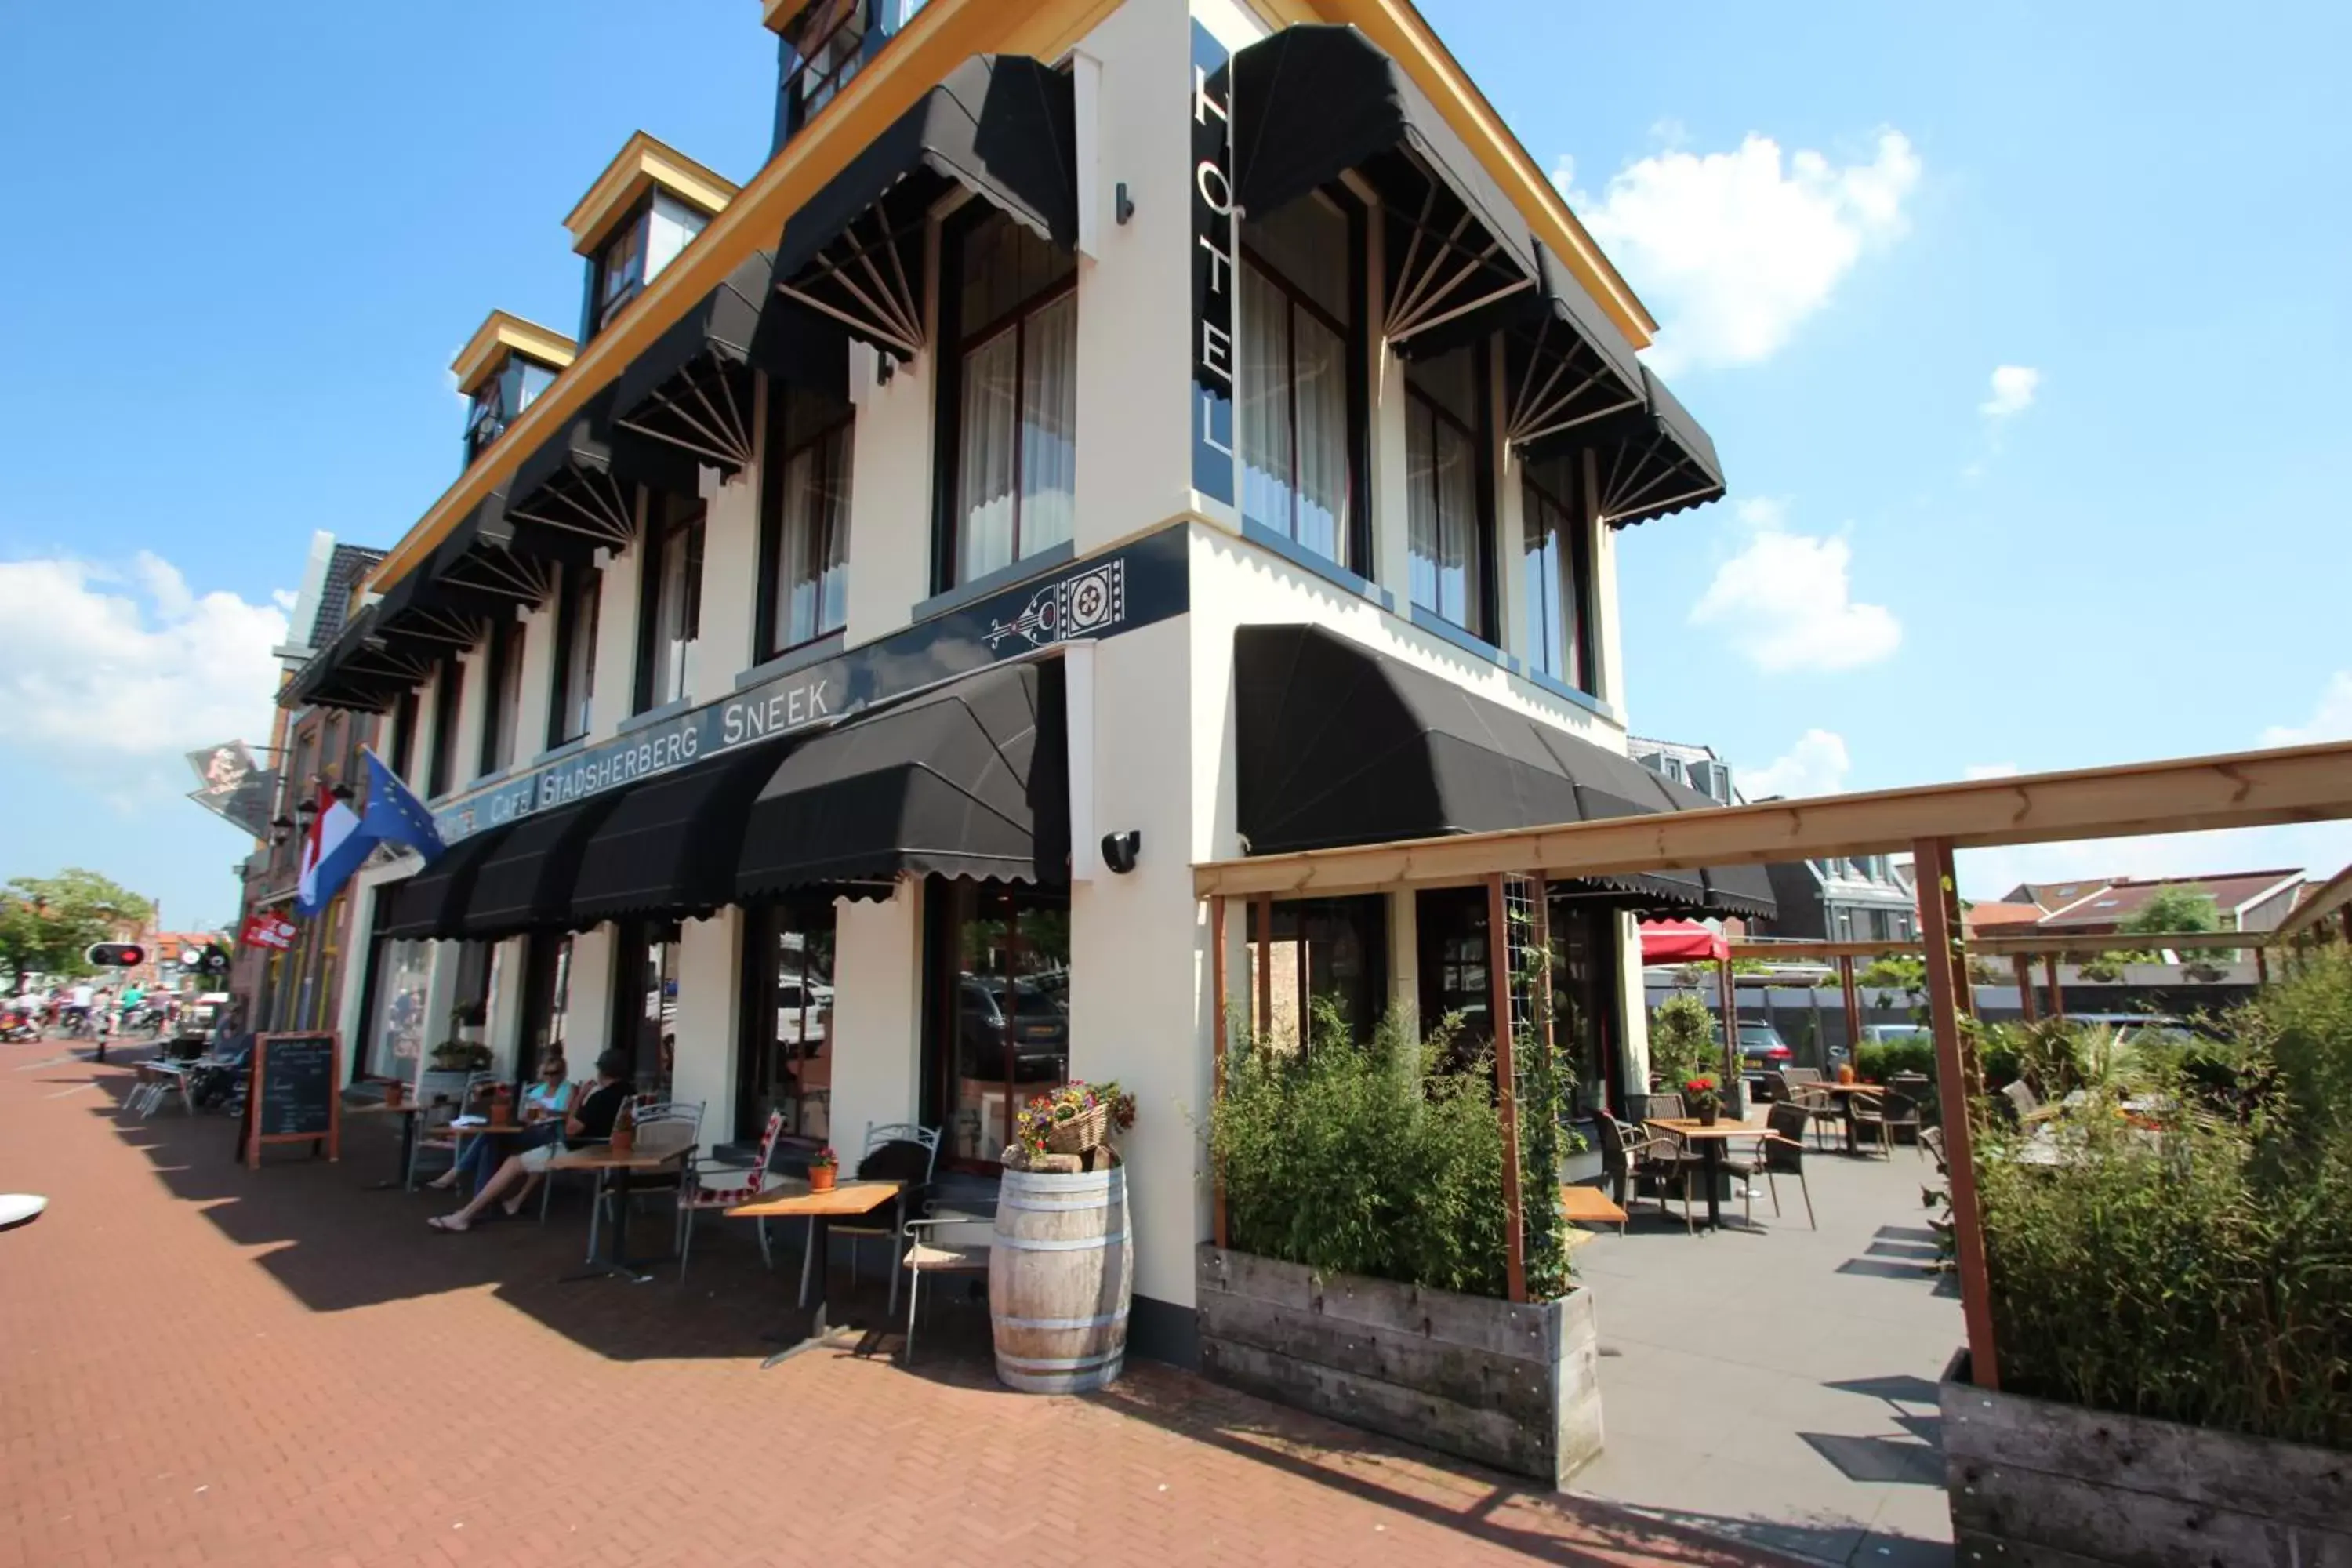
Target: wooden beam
{"x":1853,"y":1005}
{"x":1506,"y":1087}
{"x":1217,"y":1055}
{"x":1956,"y":1086}
{"x":2116,"y":941}
{"x":2057,"y":995}
{"x":1264,"y":1020}
{"x":2025,"y":987}
{"x":2262,"y":967}
{"x":1802,"y":951}
{"x":2243,"y":789}
{"x":1728,"y":997}
{"x":2334,"y":894}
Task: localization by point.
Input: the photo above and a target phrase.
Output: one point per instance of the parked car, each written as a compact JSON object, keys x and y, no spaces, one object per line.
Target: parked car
{"x":1040,"y":1028}
{"x":1884,"y":1034}
{"x":1761,"y":1050}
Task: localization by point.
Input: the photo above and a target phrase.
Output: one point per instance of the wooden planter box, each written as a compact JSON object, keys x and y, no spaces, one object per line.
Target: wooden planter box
{"x":2035,"y":1483}
{"x":1513,"y":1386}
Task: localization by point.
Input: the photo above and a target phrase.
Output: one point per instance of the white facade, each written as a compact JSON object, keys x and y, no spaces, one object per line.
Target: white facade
{"x":1154,"y":748}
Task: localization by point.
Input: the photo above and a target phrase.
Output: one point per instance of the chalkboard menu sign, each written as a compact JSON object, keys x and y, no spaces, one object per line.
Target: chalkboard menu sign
{"x":291,"y":1096}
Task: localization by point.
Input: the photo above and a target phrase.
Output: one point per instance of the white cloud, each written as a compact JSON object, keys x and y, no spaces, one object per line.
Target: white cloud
{"x":1816,"y":764}
{"x":2331,"y":721}
{"x":1990,"y":771}
{"x":1786,"y":601}
{"x":1733,"y":250}
{"x":114,"y":665}
{"x":2013,"y":386}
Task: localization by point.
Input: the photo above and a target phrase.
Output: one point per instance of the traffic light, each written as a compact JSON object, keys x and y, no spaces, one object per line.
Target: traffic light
{"x":117,"y":955}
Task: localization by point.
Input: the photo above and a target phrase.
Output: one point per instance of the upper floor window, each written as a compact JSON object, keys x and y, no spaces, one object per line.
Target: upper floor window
{"x":502,"y":714}
{"x":403,"y":736}
{"x":823,"y":49}
{"x":806,"y":525}
{"x":1301,"y":385}
{"x":577,"y":614}
{"x":447,"y":687}
{"x":620,"y":267}
{"x":1014,"y":462}
{"x":1557,"y":566}
{"x":501,"y":399}
{"x":1446,"y":502}
{"x":670,"y":618}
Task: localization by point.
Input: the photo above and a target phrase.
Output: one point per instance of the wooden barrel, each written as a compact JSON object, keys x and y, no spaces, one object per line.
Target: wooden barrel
{"x":1061,"y":1273}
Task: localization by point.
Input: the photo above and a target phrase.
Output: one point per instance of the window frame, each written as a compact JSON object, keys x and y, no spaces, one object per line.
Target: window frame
{"x":1480,"y":431}
{"x":669,"y":522}
{"x":947,"y":466}
{"x":501,"y":719}
{"x":1577,"y":522}
{"x":587,"y":588}
{"x":945,"y":908}
{"x":404,"y":731}
{"x":773,"y":613}
{"x":1356,"y":335}
{"x":638,"y":225}
{"x":448,"y":690}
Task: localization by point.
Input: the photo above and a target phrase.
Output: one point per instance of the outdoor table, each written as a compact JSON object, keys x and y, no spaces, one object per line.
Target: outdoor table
{"x":1710,"y":1141}
{"x":618,"y":1168}
{"x":404,"y":1172}
{"x":20,"y":1208}
{"x":845,"y":1201}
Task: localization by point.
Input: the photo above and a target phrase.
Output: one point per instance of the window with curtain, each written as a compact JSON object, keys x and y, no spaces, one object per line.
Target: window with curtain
{"x":396,"y":1024}
{"x":671,"y":621}
{"x":403,"y":751}
{"x":575,"y":653}
{"x":503,"y":711}
{"x":788,"y":1060}
{"x":1016,"y":402}
{"x":446,"y":688}
{"x":644,"y":1003}
{"x":620,"y":264}
{"x":1555,"y":563}
{"x":808,"y":532}
{"x":1297,"y":399}
{"x":1444,"y":518}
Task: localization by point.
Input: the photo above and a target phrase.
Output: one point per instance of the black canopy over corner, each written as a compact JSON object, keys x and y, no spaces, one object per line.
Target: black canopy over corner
{"x":526,"y":882}
{"x":431,"y":905}
{"x":1341,"y":744}
{"x":668,"y":847}
{"x":691,"y":391}
{"x":1655,"y":460}
{"x":577,"y":484}
{"x":1566,"y":367}
{"x":489,"y":563}
{"x":970,"y":780}
{"x":1313,"y":101}
{"x":1003,"y":126}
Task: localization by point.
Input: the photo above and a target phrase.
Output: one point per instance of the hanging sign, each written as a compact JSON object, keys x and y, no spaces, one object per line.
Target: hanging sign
{"x":1212,"y":267}
{"x":262,"y":930}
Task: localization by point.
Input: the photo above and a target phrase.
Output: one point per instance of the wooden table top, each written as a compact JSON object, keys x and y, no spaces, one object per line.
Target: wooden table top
{"x":1853,"y":1088}
{"x":846,"y":1199}
{"x":1688,"y":1127}
{"x":600,"y":1157}
{"x":460,"y":1129}
{"x":378,"y":1108}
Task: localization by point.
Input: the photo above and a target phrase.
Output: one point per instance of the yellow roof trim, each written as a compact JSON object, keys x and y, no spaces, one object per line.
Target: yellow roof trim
{"x":500,"y":335}
{"x":643,"y":162}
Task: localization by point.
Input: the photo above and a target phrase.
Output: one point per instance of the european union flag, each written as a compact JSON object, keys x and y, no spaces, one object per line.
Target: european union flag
{"x":394,"y":814}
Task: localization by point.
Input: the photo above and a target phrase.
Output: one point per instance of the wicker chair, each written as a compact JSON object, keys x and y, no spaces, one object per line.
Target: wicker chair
{"x":1879,"y":1114}
{"x":1784,"y":1155}
{"x":1631,"y":1158}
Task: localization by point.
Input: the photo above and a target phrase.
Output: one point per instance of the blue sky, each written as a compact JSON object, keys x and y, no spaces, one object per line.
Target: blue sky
{"x":256,"y":236}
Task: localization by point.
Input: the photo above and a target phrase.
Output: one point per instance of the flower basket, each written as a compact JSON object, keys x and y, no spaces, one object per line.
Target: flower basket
{"x":1081,"y":1132}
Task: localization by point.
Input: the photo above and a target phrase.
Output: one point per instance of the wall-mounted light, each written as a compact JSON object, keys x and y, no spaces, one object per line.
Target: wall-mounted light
{"x":341,"y":792}
{"x":1119,"y":850}
{"x":1122,"y":206}
{"x":885,"y":367}
{"x":306,"y":811}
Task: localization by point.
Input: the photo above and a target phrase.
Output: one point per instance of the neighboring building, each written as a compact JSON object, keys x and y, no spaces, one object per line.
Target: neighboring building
{"x":827,"y":680}
{"x":1858,"y":898}
{"x":1695,"y":766}
{"x":2245,"y":901}
{"x":1992,"y":919}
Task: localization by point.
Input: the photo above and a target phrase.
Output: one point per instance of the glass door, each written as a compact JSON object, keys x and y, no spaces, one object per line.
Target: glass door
{"x":997,"y":1013}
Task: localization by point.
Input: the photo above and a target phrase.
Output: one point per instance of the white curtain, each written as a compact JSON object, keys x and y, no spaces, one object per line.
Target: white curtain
{"x":1539,"y":567}
{"x":984,"y":498}
{"x":1421,"y":505}
{"x":1459,"y":588}
{"x":1264,"y":412}
{"x":812,"y":557}
{"x":1322,"y":392}
{"x":1049,"y":426}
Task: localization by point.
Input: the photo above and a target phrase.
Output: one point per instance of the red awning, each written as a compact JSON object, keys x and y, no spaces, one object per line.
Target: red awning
{"x":1680,"y":942}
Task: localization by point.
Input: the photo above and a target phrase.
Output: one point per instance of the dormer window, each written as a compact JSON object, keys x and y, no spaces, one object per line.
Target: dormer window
{"x":826,"y":44}
{"x":498,"y":401}
{"x":645,"y":208}
{"x":503,"y":368}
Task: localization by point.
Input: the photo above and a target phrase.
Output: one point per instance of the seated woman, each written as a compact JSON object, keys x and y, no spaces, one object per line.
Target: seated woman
{"x":590,"y":1122}
{"x":544,"y":1105}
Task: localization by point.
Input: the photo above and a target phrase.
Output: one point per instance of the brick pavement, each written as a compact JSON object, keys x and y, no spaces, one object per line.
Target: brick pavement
{"x":202,"y":1366}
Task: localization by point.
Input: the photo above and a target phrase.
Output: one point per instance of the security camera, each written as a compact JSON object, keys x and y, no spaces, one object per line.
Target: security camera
{"x":1119,"y":850}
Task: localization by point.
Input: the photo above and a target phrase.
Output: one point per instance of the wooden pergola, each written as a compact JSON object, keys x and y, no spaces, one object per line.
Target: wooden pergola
{"x":2246,"y":789}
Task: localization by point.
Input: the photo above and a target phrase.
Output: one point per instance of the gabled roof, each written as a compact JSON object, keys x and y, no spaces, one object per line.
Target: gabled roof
{"x":2120,"y":900}
{"x":2001,"y":916}
{"x":346,"y":569}
{"x":643,"y":163}
{"x":501,"y":334}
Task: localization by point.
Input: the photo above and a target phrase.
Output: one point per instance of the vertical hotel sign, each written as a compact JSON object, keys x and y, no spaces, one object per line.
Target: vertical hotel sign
{"x":1212,"y":267}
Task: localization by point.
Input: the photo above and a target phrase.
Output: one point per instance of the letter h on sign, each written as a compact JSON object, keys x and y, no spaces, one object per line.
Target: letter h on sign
{"x":1212,"y":268}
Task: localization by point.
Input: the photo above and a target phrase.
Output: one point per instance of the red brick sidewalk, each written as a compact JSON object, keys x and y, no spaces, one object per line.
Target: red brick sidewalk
{"x":204,"y":1365}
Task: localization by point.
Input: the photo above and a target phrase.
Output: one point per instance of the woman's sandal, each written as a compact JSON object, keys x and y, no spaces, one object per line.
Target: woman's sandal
{"x":448,"y":1224}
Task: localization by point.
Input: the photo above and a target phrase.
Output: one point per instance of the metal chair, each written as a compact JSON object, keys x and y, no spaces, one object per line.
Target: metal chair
{"x":894,"y":1151}
{"x":952,"y":1241}
{"x":722,"y":1184}
{"x":476,"y":1084}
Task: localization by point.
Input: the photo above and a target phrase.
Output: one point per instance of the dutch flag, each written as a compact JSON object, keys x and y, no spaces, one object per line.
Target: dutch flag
{"x":335,"y":848}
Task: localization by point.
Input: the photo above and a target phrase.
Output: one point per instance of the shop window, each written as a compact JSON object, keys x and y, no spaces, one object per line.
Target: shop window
{"x":644,"y":1003}
{"x":1301,"y":381}
{"x":1450,"y":923}
{"x":447,"y":687}
{"x":997,"y":1013}
{"x":472,"y":1000}
{"x":1323,"y":954}
{"x":787,"y":1054}
{"x":805,"y":526}
{"x":1009,"y":396}
{"x":1584,"y":997}
{"x":576,"y":654}
{"x":1557,"y":563}
{"x":547,"y":1001}
{"x":1446,"y":502}
{"x":670,"y":618}
{"x":397,"y":988}
{"x":503,"y":710}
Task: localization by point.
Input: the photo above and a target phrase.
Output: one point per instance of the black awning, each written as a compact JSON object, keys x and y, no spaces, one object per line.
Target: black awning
{"x":970,"y":780}
{"x":1566,"y":367}
{"x":668,"y":846}
{"x":1341,"y":744}
{"x":1003,"y":126}
{"x":691,"y":392}
{"x":431,"y":905}
{"x":1314,"y":102}
{"x":1654,"y":460}
{"x":580,"y":479}
{"x":526,"y":883}
{"x":364,"y":669}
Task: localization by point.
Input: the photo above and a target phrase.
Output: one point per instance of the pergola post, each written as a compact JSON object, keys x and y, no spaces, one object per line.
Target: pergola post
{"x":1506,"y":1087}
{"x":1728,"y":995}
{"x":1263,"y":1025}
{"x":1853,"y":1005}
{"x":2261,"y":965}
{"x":2057,"y":995}
{"x":1217,"y":1053}
{"x":1940,"y":919}
{"x":2025,"y":987}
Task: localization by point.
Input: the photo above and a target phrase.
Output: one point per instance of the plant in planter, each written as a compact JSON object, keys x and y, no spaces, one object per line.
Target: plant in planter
{"x":1704,"y":1099}
{"x":1682,"y":1039}
{"x":455,"y":1055}
{"x":824,"y":1170}
{"x":1078,"y":1118}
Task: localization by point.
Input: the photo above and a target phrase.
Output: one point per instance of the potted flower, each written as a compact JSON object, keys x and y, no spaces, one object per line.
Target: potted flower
{"x":1705,"y":1102}
{"x":823,"y":1168}
{"x":1074,"y":1119}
